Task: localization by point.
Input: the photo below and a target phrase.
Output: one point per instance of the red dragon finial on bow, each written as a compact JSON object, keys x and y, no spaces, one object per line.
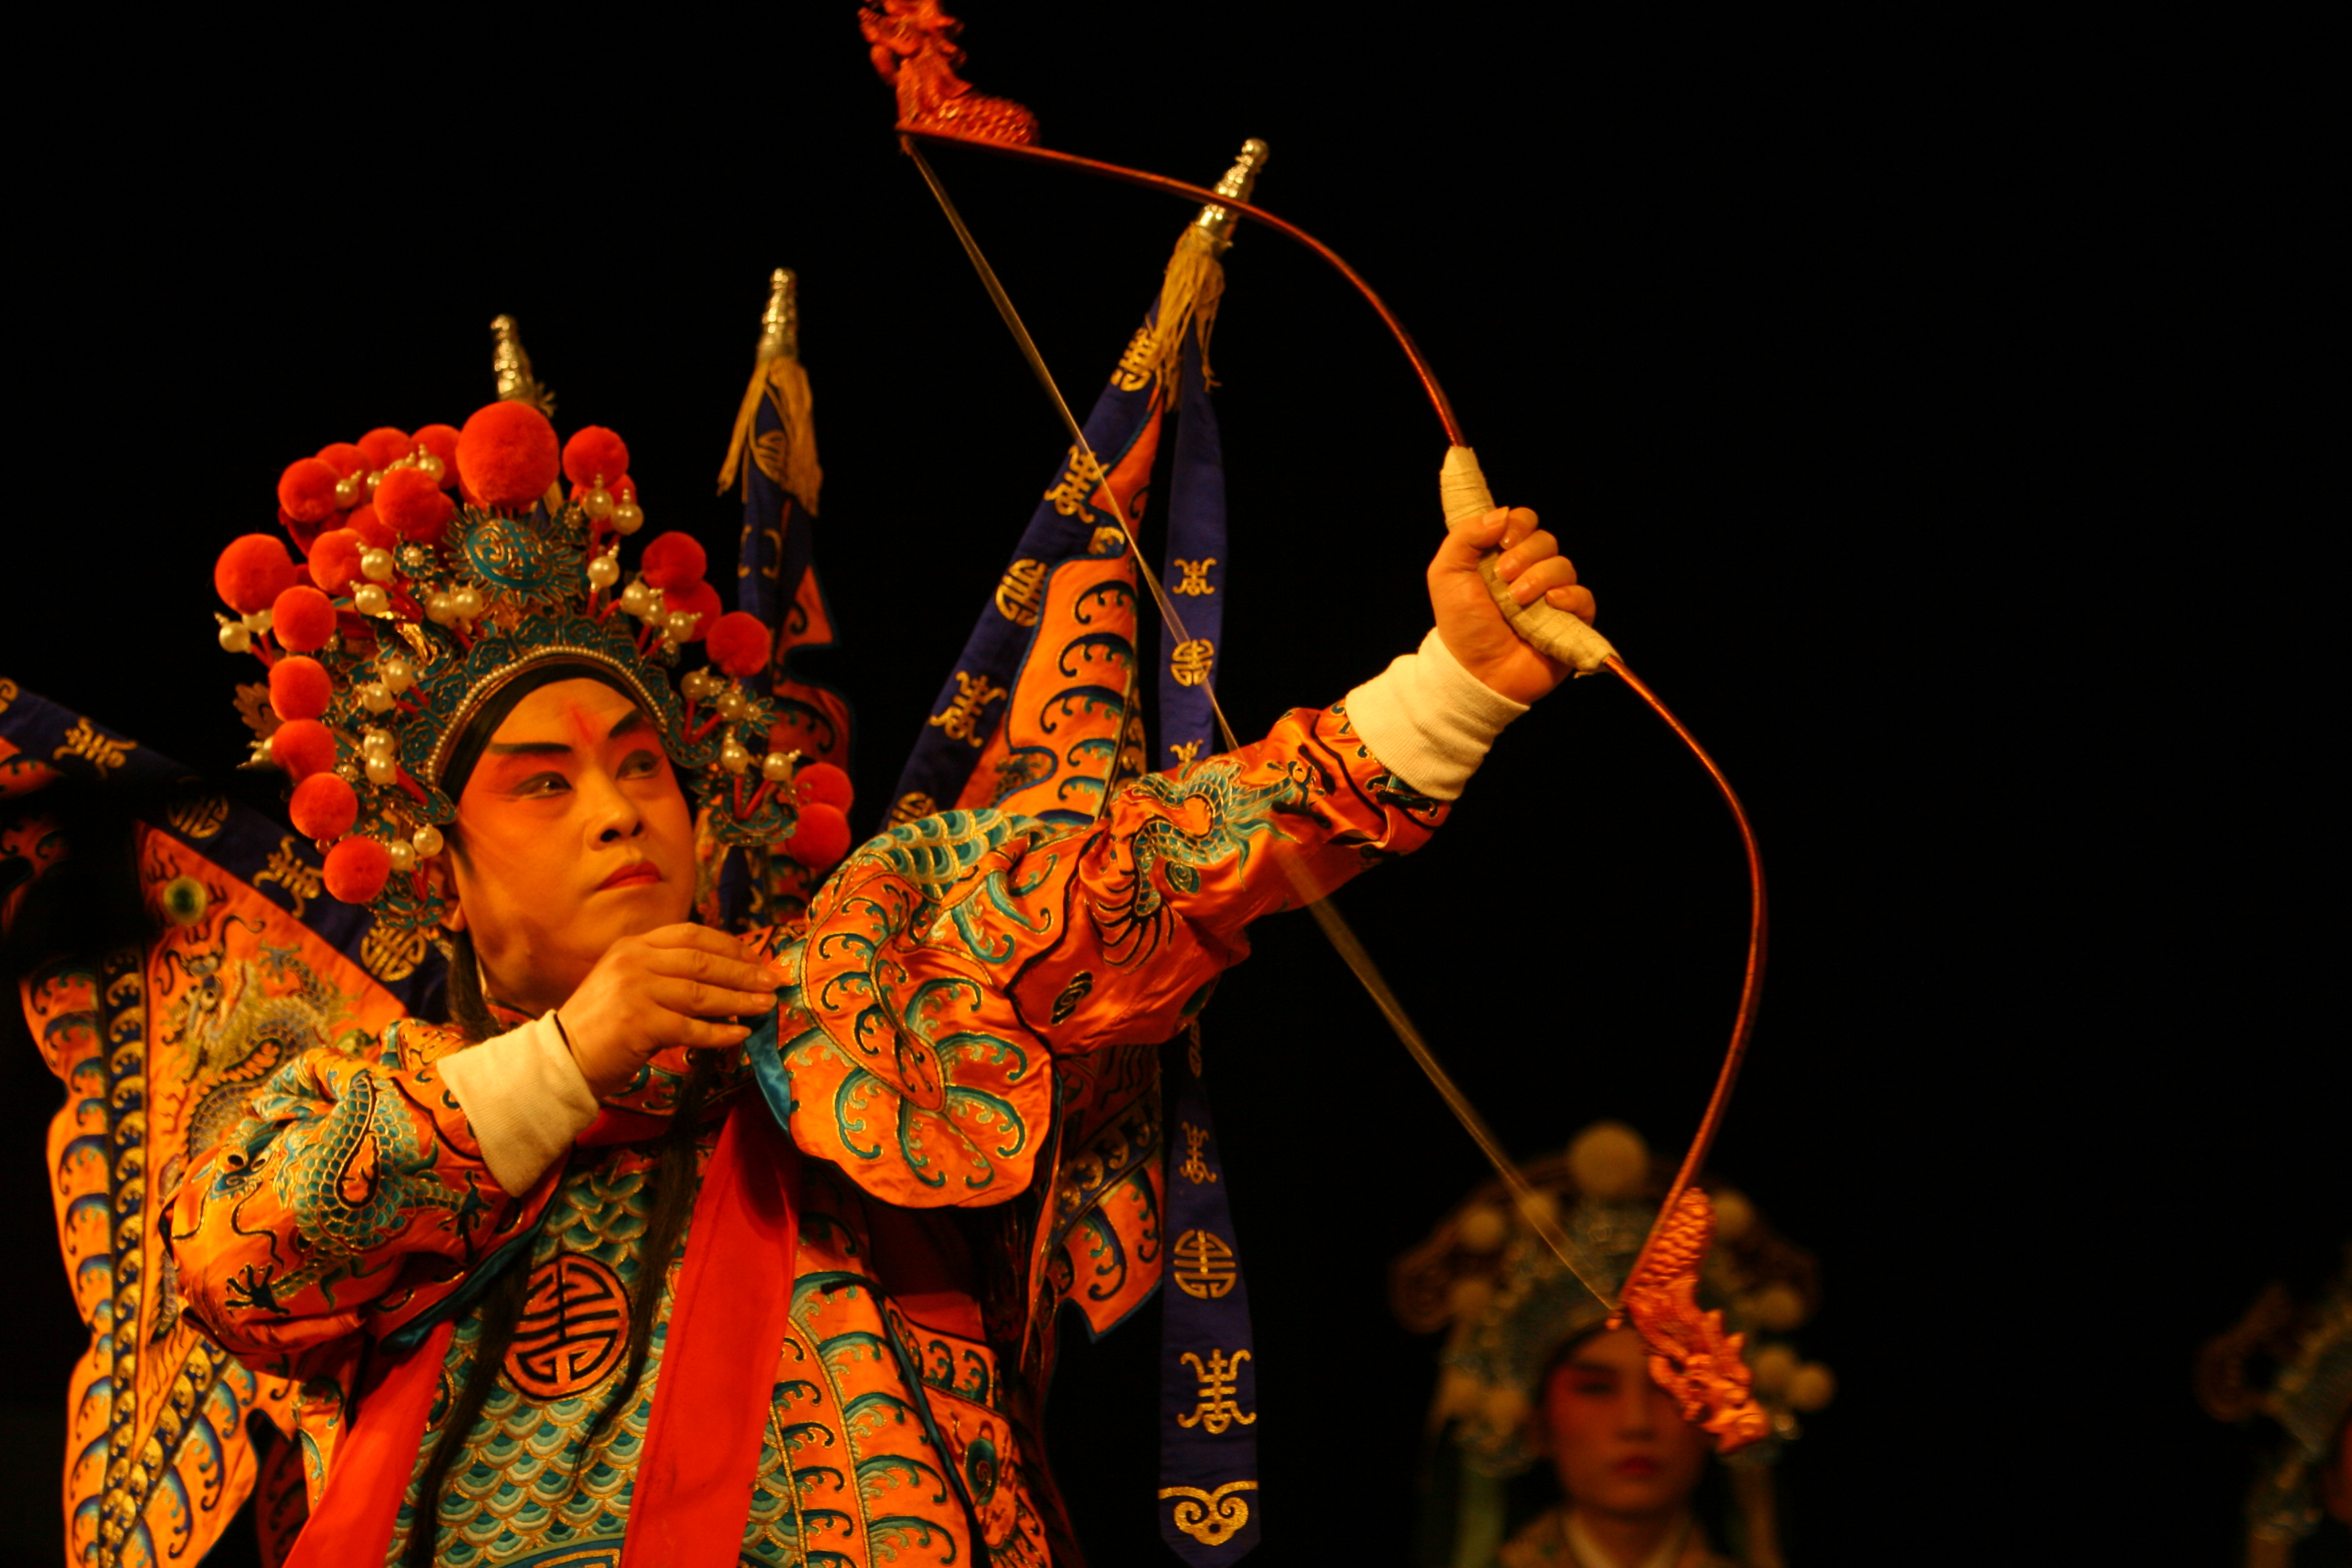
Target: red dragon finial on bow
{"x":1690,"y":1355}
{"x":914,"y":49}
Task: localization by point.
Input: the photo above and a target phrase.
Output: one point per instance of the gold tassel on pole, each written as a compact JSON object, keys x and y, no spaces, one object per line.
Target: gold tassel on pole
{"x":1196,"y":279}
{"x":787,"y":456}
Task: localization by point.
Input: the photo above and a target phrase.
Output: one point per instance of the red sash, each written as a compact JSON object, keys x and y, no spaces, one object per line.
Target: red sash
{"x":353,"y":1523}
{"x":711,"y":1391}
{"x":717,"y":1376}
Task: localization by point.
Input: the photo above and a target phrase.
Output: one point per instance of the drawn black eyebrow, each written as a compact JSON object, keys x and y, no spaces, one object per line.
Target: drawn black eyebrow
{"x":633,"y":723}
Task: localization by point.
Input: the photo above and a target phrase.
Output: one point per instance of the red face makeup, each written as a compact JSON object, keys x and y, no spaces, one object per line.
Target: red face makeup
{"x":1615,"y":1439}
{"x":571,"y":833}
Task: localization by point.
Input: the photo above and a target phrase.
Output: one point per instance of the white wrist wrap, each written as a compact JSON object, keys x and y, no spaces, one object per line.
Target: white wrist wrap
{"x":526,"y":1100}
{"x":1430,"y":720}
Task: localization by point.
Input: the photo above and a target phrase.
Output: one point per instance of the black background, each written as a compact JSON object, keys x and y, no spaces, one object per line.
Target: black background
{"x":1937,"y":420}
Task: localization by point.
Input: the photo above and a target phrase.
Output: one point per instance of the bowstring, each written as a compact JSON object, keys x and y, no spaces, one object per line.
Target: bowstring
{"x":1535,"y":1207}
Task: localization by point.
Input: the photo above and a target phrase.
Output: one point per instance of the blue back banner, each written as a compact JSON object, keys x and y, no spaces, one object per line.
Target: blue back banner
{"x":39,"y":737}
{"x":1056,"y":605}
{"x":776,"y":580}
{"x":1209,"y":1504}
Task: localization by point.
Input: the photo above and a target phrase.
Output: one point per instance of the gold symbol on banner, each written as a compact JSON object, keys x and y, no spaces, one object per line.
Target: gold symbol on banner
{"x":1195,"y":1169}
{"x":1210,"y":1517}
{"x":962,"y":719}
{"x":1196,"y":575}
{"x":1020,"y":597}
{"x":1134,"y":371}
{"x":289,"y":870}
{"x":8,"y":693}
{"x":197,"y":815}
{"x":1191,"y":664}
{"x":912,"y":808}
{"x":1185,"y":751}
{"x":772,"y":537}
{"x":1072,"y":493}
{"x":393,"y":955}
{"x":1108,"y":541}
{"x":1205,"y":1265}
{"x":1216,"y":1410}
{"x":83,"y":740}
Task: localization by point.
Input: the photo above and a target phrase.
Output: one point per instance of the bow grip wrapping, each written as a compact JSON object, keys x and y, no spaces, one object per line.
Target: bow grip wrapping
{"x":1462,"y":489}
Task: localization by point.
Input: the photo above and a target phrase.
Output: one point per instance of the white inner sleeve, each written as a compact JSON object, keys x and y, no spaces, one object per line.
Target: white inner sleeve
{"x":526,"y":1099}
{"x":1430,"y":720}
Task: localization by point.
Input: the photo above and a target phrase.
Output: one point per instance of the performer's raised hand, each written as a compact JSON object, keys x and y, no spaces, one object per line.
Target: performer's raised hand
{"x":1474,"y":630}
{"x":664,"y":988}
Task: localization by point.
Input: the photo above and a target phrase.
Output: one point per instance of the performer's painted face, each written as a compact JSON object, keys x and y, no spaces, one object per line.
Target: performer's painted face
{"x":571,"y":833}
{"x":1616,"y":1439}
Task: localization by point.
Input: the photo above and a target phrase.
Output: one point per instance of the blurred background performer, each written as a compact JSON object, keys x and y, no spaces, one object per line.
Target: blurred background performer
{"x":1550,"y":1445}
{"x":2286,"y":1371}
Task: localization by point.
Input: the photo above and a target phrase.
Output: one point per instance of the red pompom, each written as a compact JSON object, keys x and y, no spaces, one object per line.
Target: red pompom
{"x":299,"y":688}
{"x":344,"y":458}
{"x":594,"y":454}
{"x":324,"y":806}
{"x":305,"y":534}
{"x":441,"y":440}
{"x":410,"y":502}
{"x":384,"y":445}
{"x":820,"y":838}
{"x":699,"y":598}
{"x":306,"y":489}
{"x":334,"y":563}
{"x":673,"y":559}
{"x":357,"y":869}
{"x":507,"y":453}
{"x":302,"y":748}
{"x":740,"y":644}
{"x":252,"y":572}
{"x":822,"y":784}
{"x":374,"y":534}
{"x":301,"y":620}
{"x":624,"y":490}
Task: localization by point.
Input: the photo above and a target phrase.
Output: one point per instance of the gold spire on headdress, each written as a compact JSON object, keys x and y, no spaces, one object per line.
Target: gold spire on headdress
{"x":1195,"y":281}
{"x":787,"y":456}
{"x":511,"y":366}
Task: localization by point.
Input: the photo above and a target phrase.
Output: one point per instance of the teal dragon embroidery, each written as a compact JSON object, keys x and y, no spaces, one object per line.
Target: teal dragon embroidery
{"x":1134,"y":919}
{"x":353,"y":1171}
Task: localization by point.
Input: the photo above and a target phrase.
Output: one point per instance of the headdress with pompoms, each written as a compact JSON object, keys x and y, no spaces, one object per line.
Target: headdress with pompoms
{"x":412,"y":609}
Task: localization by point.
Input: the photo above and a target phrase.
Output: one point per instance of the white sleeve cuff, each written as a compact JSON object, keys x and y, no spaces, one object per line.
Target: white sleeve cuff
{"x":525,"y":1098}
{"x":1430,"y":720}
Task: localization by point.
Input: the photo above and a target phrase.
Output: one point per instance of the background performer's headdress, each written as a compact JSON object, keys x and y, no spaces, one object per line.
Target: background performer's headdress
{"x":1509,"y":1307}
{"x":413,"y":610}
{"x":2290,"y":1364}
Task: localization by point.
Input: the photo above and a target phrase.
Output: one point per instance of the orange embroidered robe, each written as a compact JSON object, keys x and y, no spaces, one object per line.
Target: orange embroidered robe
{"x":965,"y":1057}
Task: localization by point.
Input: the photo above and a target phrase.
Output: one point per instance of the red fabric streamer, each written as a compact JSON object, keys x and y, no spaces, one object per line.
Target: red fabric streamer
{"x":726,"y":1326}
{"x":353,"y":1521}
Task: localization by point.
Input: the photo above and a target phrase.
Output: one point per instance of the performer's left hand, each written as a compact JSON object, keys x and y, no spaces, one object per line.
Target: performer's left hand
{"x":1474,"y":631}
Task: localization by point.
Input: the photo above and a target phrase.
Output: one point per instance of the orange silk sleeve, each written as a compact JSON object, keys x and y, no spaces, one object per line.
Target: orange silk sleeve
{"x":952,"y":958}
{"x":352,"y":1199}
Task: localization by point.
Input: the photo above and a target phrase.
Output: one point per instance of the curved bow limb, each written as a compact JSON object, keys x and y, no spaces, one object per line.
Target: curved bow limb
{"x":1690,"y":1354}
